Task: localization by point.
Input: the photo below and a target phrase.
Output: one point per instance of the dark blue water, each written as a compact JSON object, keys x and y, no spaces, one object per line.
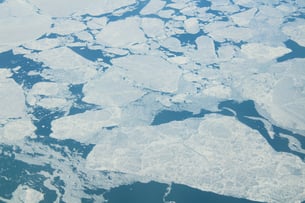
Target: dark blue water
{"x":188,"y":38}
{"x":184,"y":194}
{"x":23,"y":173}
{"x":298,"y":51}
{"x":203,"y":3}
{"x":9,"y":60}
{"x":19,"y":172}
{"x":79,"y":106}
{"x":167,"y":116}
{"x":92,"y":55}
{"x":154,"y":192}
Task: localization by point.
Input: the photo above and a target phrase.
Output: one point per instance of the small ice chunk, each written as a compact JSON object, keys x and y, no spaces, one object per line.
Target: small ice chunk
{"x":178,"y":60}
{"x":25,"y":194}
{"x":226,"y":52}
{"x":153,"y":27}
{"x":243,"y":18}
{"x":244,"y":2}
{"x":153,"y":7}
{"x":205,"y":52}
{"x":191,"y":25}
{"x":171,"y":43}
{"x":121,"y":33}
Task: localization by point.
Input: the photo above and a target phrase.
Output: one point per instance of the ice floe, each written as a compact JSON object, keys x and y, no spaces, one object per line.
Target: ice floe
{"x":12,"y":98}
{"x":62,"y":69}
{"x":122,"y":33}
{"x":262,"y":53}
{"x":78,"y":128}
{"x":191,"y":25}
{"x":153,"y":27}
{"x":222,"y":31}
{"x":25,"y":194}
{"x":219,"y":149}
{"x":21,"y":23}
{"x":296,"y":31}
{"x":244,"y":18}
{"x":67,"y":26}
{"x":70,"y":7}
{"x":153,"y":7}
{"x":281,"y":92}
{"x":111,"y":89}
{"x":50,"y":95}
{"x":150,"y":72}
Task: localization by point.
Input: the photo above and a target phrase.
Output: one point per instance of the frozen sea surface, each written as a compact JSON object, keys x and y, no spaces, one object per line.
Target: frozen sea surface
{"x":152,"y":101}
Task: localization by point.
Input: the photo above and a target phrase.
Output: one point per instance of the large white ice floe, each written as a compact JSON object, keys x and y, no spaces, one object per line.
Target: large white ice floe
{"x":263,"y":53}
{"x":78,"y":128}
{"x":50,"y":95}
{"x":59,"y":8}
{"x":62,"y":68}
{"x":111,"y":89}
{"x":215,"y":157}
{"x":14,"y":122}
{"x":12,"y":98}
{"x":222,"y":31}
{"x":279,"y":93}
{"x":20,"y":22}
{"x":295,"y":30}
{"x":151,"y":72}
{"x":122,"y":33}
